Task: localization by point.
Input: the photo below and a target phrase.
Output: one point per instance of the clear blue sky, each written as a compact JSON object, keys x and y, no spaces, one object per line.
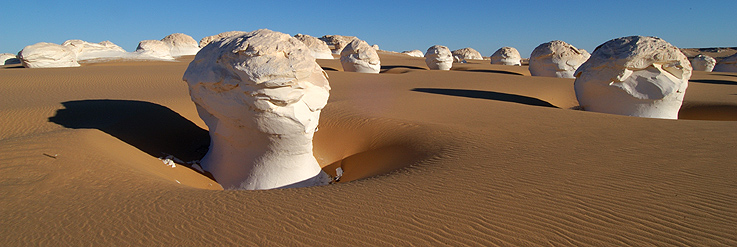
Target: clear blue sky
{"x":393,"y":25}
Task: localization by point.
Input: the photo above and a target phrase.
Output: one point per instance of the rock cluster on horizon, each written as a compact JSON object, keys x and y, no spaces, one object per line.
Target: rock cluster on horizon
{"x":262,"y":107}
{"x":728,"y":64}
{"x":47,"y":55}
{"x":358,"y":56}
{"x":319,"y":48}
{"x":438,"y":57}
{"x":506,"y":56}
{"x":634,"y":76}
{"x":461,"y":55}
{"x":337,"y":42}
{"x":556,"y":59}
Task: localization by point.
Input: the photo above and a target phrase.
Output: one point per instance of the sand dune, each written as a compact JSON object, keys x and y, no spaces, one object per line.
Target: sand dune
{"x":479,"y":155}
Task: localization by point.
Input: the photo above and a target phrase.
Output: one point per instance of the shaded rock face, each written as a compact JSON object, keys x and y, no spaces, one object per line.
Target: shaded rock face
{"x":438,"y":57}
{"x":47,"y":55}
{"x":207,"y":40}
{"x":8,"y":59}
{"x":181,"y":44}
{"x":414,"y":53}
{"x":703,"y":63}
{"x":728,"y":64}
{"x":90,"y":51}
{"x":154,"y":49}
{"x":260,"y":94}
{"x":506,"y":56}
{"x":337,"y":42}
{"x":556,"y":59}
{"x":358,"y":56}
{"x":634,"y":76}
{"x":465,"y":54}
{"x":319,"y":48}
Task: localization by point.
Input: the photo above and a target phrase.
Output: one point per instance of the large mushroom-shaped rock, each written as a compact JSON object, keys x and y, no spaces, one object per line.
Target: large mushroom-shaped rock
{"x":728,"y":64}
{"x":634,"y":76}
{"x":438,"y":57}
{"x":8,"y":59}
{"x":260,"y":94}
{"x":556,"y":59}
{"x":358,"y":56}
{"x":414,"y":53}
{"x":703,"y":63}
{"x":181,"y":44}
{"x":207,"y":40}
{"x":506,"y":56}
{"x":154,"y":49}
{"x":319,"y":48}
{"x":337,"y":42}
{"x":47,"y":55}
{"x":90,"y":51}
{"x":465,"y":54}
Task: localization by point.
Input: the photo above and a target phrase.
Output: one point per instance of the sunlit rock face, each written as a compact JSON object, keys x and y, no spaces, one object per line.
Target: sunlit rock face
{"x":337,"y":42}
{"x":260,"y":94}
{"x":414,"y":53}
{"x":438,"y":57}
{"x":47,"y":55}
{"x":181,"y":44}
{"x":154,"y":49}
{"x":703,"y":63}
{"x":319,"y":48}
{"x":556,"y":59}
{"x":506,"y":56}
{"x":8,"y":59}
{"x":728,"y":64}
{"x":358,"y":56}
{"x":91,"y":51}
{"x":634,"y":76}
{"x":207,"y":40}
{"x":466,"y":53}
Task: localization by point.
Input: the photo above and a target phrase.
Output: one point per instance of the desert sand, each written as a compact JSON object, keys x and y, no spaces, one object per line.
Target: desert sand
{"x":479,"y":155}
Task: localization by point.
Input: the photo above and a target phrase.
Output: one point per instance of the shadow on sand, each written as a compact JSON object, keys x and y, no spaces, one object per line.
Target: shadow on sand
{"x":490,"y":71}
{"x":487,"y":95}
{"x":720,"y":82}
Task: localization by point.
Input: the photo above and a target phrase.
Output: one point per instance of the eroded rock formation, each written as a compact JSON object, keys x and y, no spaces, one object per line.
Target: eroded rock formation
{"x":506,"y":56}
{"x":556,"y":59}
{"x":181,"y":44}
{"x":47,"y":55}
{"x":358,"y":56}
{"x":319,"y":48}
{"x":438,"y":57}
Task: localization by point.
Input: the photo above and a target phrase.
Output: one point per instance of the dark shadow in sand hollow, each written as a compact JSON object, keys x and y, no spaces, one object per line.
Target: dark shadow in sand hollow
{"x":328,"y":68}
{"x":152,"y":128}
{"x":491,"y":71}
{"x":720,"y":82}
{"x":725,"y":75}
{"x":388,"y":67}
{"x":487,"y":95}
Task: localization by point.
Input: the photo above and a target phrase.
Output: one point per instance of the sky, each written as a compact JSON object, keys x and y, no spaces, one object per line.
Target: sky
{"x":393,"y":25}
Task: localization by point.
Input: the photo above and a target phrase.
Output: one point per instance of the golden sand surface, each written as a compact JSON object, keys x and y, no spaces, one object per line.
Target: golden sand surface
{"x":479,"y":155}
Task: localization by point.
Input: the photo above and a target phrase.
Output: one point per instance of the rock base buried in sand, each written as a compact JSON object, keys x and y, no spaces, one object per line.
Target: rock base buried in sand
{"x":438,"y":57}
{"x":506,"y":56}
{"x":260,"y":94}
{"x":634,"y":76}
{"x":47,"y":55}
{"x":466,"y":54}
{"x":358,"y":56}
{"x":154,"y":49}
{"x":703,"y":63}
{"x":91,"y":51}
{"x":556,"y":59}
{"x":181,"y":44}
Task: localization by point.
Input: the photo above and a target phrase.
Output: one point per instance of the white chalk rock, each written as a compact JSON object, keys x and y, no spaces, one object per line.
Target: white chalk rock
{"x":8,"y":59}
{"x":506,"y":56}
{"x":319,"y":48}
{"x":47,"y":55}
{"x":260,"y":94}
{"x":376,"y":47}
{"x":438,"y":57}
{"x":94,"y":51}
{"x":154,"y":49}
{"x":728,"y":64}
{"x":414,"y":53}
{"x":466,"y":54}
{"x":337,"y":42}
{"x":634,"y":76}
{"x":358,"y":56}
{"x":209,"y":39}
{"x":181,"y":44}
{"x":703,"y":63}
{"x":556,"y":59}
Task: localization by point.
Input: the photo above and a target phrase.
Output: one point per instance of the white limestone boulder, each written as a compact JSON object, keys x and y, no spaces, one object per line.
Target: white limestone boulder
{"x":506,"y":56}
{"x":154,"y":49}
{"x":358,"y":56}
{"x":94,"y":51}
{"x":47,"y":55}
{"x":8,"y":59}
{"x":466,"y":54}
{"x":207,"y":40}
{"x":634,"y":76}
{"x":319,"y":48}
{"x":376,"y":47}
{"x":414,"y":53}
{"x":728,"y":64}
{"x":703,"y":63}
{"x":260,"y":94}
{"x":181,"y":44}
{"x":337,"y":42}
{"x":438,"y":57}
{"x":556,"y":59}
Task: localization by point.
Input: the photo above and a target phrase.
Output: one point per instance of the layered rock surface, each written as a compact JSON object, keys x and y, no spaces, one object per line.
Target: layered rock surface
{"x":506,"y":56}
{"x":438,"y":57}
{"x":358,"y":56}
{"x":556,"y":59}
{"x":47,"y":55}
{"x":91,"y":51}
{"x":319,"y":48}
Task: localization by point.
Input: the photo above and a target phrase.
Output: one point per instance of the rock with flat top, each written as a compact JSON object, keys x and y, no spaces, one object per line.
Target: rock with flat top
{"x":506,"y":56}
{"x":358,"y":56}
{"x":556,"y":59}
{"x":319,"y":48}
{"x":438,"y":57}
{"x":47,"y":55}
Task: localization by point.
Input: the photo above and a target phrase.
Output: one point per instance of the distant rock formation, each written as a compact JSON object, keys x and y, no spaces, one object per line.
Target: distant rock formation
{"x":358,"y":56}
{"x":91,"y":51}
{"x":414,"y":53}
{"x":47,"y":55}
{"x":634,"y":76}
{"x":262,"y":108}
{"x":438,"y":57}
{"x":319,"y":48}
{"x":337,"y":42}
{"x":728,"y":64}
{"x":556,"y":59}
{"x":207,"y":40}
{"x":506,"y":56}
{"x":463,"y":54}
{"x":181,"y":44}
{"x":154,"y":49}
{"x":8,"y":59}
{"x":703,"y":63}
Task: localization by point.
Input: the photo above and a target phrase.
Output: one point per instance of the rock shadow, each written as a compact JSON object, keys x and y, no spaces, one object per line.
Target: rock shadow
{"x":388,"y":67}
{"x":491,"y":71}
{"x":152,"y":128}
{"x":477,"y":94}
{"x":720,"y":82}
{"x":328,"y":68}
